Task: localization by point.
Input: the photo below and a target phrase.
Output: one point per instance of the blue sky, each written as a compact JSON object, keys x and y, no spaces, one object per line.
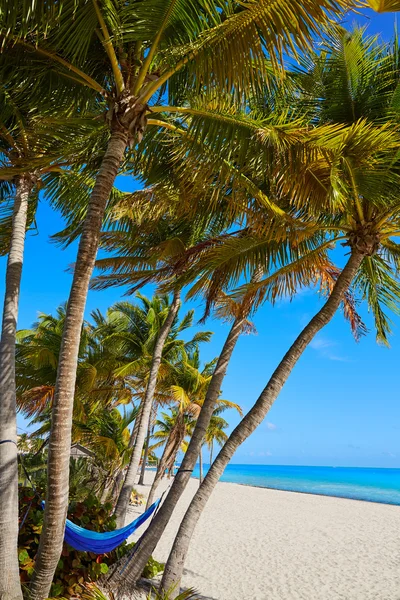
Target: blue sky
{"x":341,"y":404}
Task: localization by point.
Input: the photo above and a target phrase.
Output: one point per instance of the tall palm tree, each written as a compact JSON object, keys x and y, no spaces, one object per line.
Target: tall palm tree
{"x":358,"y":188}
{"x":150,"y":45}
{"x":216,"y":266}
{"x":146,"y":407}
{"x":31,"y":158}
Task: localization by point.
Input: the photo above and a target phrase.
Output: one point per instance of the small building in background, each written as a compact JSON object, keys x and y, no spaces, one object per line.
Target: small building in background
{"x":79,"y":451}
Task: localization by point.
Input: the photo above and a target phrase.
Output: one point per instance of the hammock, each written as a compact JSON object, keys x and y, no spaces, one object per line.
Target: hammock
{"x":99,"y":543}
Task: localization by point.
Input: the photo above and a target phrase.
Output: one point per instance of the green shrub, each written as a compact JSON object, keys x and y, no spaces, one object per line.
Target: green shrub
{"x":74,"y":568}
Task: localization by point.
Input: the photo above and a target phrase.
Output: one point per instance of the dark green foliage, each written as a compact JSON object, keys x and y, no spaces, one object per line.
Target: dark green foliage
{"x":74,"y":568}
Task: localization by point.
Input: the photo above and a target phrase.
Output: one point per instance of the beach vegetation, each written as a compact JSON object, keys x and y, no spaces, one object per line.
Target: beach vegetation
{"x":257,"y":157}
{"x":75,"y":569}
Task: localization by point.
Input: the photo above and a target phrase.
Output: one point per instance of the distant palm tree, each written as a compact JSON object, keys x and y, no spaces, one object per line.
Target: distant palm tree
{"x":161,"y":348}
{"x":215,"y":432}
{"x":187,"y":392}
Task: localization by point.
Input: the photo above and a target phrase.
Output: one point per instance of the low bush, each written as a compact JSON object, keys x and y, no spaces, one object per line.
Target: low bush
{"x":74,"y":568}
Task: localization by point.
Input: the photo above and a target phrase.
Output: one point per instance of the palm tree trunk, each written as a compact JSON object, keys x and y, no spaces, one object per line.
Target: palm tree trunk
{"x":167,"y":457}
{"x":155,"y":530}
{"x":145,"y":455}
{"x":123,"y":500}
{"x":174,"y":567}
{"x":135,"y":429}
{"x":51,"y":539}
{"x":10,"y":587}
{"x":117,"y":485}
{"x":201,"y":466}
{"x":120,"y":477}
{"x":211,"y":452}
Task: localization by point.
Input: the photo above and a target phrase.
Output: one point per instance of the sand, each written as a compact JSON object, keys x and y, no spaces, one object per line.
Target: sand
{"x":259,"y":544}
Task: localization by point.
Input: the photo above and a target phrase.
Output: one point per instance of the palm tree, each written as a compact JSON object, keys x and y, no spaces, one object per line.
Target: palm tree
{"x":216,"y":266}
{"x":215,"y":432}
{"x":31,"y":158}
{"x":354,"y":77}
{"x":106,"y":433}
{"x":188,"y":390}
{"x":165,"y":328}
{"x":167,"y":434}
{"x":147,"y":247}
{"x":358,"y":188}
{"x":162,"y":344}
{"x":97,"y":383}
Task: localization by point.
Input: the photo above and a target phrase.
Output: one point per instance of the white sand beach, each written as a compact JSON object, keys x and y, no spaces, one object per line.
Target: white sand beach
{"x":260,"y":544}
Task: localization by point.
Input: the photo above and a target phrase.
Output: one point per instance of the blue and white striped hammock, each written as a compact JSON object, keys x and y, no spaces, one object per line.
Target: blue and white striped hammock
{"x":99,"y":543}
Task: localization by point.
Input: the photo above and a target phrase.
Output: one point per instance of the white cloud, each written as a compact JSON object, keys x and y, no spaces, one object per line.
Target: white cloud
{"x":267,"y":453}
{"x":271,"y":426}
{"x":322,"y":345}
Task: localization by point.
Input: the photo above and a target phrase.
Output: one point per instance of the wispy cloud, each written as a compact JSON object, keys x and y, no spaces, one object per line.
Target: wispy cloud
{"x":320,"y":343}
{"x":324,"y":347}
{"x":389,"y":454}
{"x":271,"y":426}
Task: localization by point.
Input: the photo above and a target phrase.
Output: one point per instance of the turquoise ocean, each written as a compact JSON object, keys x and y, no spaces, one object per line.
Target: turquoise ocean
{"x":369,"y":484}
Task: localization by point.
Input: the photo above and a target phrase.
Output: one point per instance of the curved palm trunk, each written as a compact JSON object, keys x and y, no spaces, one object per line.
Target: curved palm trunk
{"x":117,"y":485}
{"x":10,"y":587}
{"x":201,"y":466}
{"x":168,"y":458}
{"x":120,"y":477}
{"x":157,"y":526}
{"x":211,"y":452}
{"x":174,"y":567}
{"x":160,"y":472}
{"x":51,"y":539}
{"x":123,"y":500}
{"x":135,"y":429}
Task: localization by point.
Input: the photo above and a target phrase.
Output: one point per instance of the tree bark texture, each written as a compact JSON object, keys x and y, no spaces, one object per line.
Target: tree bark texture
{"x":125,"y":494}
{"x":51,"y":539}
{"x":145,"y":455}
{"x":174,"y":567}
{"x":135,"y":429}
{"x":10,"y":587}
{"x":168,"y":458}
{"x":201,"y":466}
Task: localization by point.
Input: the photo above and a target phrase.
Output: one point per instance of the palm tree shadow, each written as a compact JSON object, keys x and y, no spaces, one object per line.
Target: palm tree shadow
{"x":152,"y":584}
{"x":198,"y":596}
